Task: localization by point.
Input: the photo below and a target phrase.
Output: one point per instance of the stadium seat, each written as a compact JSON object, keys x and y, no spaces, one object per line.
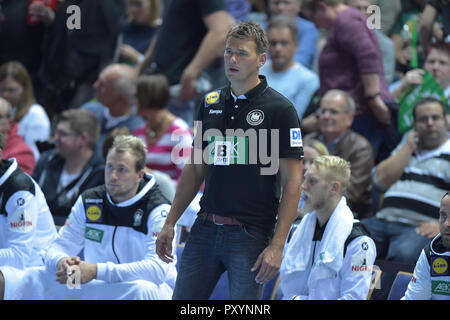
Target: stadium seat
{"x":376,"y":275}
{"x":399,"y":285}
{"x":270,"y":288}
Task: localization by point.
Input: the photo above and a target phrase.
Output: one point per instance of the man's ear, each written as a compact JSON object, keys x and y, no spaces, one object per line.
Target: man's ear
{"x":335,"y":187}
{"x":85,"y":138}
{"x":262,"y":59}
{"x":141,"y":174}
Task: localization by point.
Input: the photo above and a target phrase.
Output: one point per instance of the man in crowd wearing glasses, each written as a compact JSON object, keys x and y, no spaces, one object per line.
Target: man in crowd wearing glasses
{"x":336,"y":113}
{"x":73,"y":166}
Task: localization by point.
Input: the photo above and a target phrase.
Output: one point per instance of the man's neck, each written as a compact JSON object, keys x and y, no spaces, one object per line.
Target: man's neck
{"x":123,"y":198}
{"x":329,"y":138}
{"x":285,"y":68}
{"x":239,"y":88}
{"x":119,"y":109}
{"x":434,"y":146}
{"x":323,"y":214}
{"x":75,"y":163}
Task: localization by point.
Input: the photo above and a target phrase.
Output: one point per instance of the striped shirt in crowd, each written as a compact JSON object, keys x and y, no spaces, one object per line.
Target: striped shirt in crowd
{"x":171,"y":151}
{"x":416,"y":196}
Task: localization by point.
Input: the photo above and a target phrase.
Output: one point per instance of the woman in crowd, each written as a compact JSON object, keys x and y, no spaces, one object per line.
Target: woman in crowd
{"x":167,"y":137}
{"x":15,"y":147}
{"x":143,"y":19}
{"x":16,"y":88}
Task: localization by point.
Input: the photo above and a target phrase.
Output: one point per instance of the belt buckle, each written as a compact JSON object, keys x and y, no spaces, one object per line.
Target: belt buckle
{"x":214,"y":220}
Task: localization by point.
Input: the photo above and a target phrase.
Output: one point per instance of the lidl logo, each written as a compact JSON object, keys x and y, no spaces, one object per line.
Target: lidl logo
{"x":439,"y":266}
{"x":93,"y":213}
{"x":211,"y":98}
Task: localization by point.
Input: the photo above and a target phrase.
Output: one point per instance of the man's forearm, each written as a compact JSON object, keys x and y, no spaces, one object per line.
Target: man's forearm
{"x":426,"y":23}
{"x":392,"y":168}
{"x":212,"y":45}
{"x":288,"y":204}
{"x":148,"y":56}
{"x":190,"y":181}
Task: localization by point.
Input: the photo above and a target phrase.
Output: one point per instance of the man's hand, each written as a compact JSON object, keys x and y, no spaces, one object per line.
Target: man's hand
{"x":65,"y":270}
{"x":268,"y":262}
{"x":380,"y":110}
{"x":428,"y":229}
{"x":412,"y":141}
{"x":164,"y":243}
{"x":187,"y":82}
{"x":70,"y":268}
{"x":88,"y":271}
{"x":41,"y":13}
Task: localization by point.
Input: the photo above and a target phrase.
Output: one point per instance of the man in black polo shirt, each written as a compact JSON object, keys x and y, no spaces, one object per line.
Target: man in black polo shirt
{"x":248,"y":148}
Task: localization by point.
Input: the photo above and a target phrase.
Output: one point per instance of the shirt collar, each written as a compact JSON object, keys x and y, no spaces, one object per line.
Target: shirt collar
{"x":330,"y":146}
{"x":253,"y":93}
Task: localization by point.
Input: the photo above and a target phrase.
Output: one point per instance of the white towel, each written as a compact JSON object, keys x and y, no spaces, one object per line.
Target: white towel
{"x":331,"y":249}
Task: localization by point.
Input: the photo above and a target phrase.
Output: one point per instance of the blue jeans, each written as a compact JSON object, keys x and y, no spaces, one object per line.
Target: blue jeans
{"x":395,"y":241}
{"x":209,"y":251}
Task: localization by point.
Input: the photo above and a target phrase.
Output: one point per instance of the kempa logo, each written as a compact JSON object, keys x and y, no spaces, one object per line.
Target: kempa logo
{"x":440,"y":287}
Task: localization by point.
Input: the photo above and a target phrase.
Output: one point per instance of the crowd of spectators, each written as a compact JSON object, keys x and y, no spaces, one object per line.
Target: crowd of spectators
{"x":376,"y":97}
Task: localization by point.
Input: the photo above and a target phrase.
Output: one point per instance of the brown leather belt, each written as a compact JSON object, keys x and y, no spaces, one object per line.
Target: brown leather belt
{"x":219,"y":220}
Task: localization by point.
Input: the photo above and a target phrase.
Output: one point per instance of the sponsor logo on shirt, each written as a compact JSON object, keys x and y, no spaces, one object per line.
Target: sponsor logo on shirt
{"x":440,"y":287}
{"x":359,"y":264}
{"x":93,"y":200}
{"x":439,"y":266}
{"x":156,"y":229}
{"x":296,"y":138}
{"x":20,"y":221}
{"x":94,"y":213}
{"x":211,"y":98}
{"x":94,"y":234}
{"x":212,"y":111}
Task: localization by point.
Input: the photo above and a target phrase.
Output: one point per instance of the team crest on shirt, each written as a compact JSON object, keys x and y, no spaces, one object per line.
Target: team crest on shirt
{"x":255,"y":117}
{"x":212,"y":98}
{"x":137,"y":218}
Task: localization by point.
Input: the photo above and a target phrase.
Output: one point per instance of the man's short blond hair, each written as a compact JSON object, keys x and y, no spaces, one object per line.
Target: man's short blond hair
{"x":133,"y":145}
{"x":335,"y":169}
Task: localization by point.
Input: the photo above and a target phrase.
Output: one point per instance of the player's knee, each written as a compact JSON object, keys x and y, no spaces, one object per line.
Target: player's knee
{"x":146,"y":290}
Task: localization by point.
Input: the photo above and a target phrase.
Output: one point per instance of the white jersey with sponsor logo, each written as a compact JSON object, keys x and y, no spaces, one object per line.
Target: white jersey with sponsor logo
{"x":329,"y":262}
{"x":26,"y":224}
{"x":120,"y":252}
{"x":431,"y":279}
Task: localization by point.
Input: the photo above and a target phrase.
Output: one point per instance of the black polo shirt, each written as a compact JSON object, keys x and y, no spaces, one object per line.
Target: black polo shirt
{"x":242,"y":179}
